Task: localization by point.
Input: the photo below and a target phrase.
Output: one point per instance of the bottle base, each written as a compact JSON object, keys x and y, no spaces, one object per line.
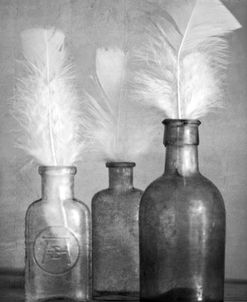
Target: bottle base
{"x":57,"y":299}
{"x":116,"y":296}
{"x":161,"y":298}
{"x":179,"y":295}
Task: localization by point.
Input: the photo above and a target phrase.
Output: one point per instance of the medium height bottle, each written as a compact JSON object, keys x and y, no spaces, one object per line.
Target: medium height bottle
{"x":57,"y":241}
{"x":115,"y":236}
{"x":182,"y":226}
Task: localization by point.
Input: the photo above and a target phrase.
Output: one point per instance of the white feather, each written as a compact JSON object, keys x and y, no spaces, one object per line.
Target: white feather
{"x":116,"y":126}
{"x":187,"y":55}
{"x":47,"y":107}
{"x":111,"y":71}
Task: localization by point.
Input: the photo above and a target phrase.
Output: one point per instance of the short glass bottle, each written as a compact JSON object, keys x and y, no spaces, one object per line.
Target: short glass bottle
{"x":182,"y":226}
{"x":57,"y":240}
{"x":115,"y":236}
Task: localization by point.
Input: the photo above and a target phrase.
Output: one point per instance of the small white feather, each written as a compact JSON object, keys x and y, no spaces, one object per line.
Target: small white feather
{"x":155,"y":85}
{"x":199,"y":88}
{"x":111,"y":71}
{"x":47,"y":106}
{"x":118,"y":127}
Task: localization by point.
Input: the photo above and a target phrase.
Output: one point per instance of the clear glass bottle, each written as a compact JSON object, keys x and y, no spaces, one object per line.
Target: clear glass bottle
{"x":182,"y":226}
{"x":57,"y":240}
{"x":115,"y":236}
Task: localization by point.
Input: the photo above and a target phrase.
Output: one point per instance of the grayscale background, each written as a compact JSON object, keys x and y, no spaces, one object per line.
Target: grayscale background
{"x":89,"y":24}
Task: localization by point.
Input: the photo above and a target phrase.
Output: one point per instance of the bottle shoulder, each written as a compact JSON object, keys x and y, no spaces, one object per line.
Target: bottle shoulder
{"x":80,"y":204}
{"x":177,"y":181}
{"x":106,"y":203}
{"x":112,"y":194}
{"x":67,"y":204}
{"x":33,"y":205}
{"x":196,"y":186}
{"x":69,"y":213}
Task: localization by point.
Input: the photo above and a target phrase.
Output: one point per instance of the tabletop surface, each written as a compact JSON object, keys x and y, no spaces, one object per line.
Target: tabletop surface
{"x":12,"y":288}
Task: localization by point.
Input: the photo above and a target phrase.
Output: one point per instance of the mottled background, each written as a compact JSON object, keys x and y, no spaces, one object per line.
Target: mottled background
{"x":89,"y":24}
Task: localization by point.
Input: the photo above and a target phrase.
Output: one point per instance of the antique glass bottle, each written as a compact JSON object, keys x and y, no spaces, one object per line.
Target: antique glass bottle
{"x":115,"y":236}
{"x":182,"y":226}
{"x":57,"y":241}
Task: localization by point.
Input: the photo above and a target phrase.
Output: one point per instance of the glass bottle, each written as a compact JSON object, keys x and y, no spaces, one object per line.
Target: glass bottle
{"x":182,"y":226}
{"x":115,"y":236}
{"x":57,"y":240}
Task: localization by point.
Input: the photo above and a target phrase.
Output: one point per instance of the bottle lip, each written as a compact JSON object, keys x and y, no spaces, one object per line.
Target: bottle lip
{"x":57,"y":170}
{"x":121,"y":164}
{"x":181,"y":122}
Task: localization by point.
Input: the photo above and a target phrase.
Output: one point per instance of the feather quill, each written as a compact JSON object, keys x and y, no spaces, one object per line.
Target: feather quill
{"x":186,"y":55}
{"x":116,"y":126}
{"x":47,"y":107}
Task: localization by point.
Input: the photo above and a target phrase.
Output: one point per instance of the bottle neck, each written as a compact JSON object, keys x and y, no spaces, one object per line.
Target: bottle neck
{"x":182,"y":160}
{"x":181,"y":141}
{"x":120,"y":175}
{"x":57,"y":183}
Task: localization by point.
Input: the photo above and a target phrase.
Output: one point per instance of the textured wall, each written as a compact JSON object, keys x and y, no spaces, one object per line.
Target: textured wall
{"x":89,"y":24}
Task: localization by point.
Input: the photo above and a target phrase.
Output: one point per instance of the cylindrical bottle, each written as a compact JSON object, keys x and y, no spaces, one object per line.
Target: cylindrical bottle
{"x":57,"y":240}
{"x":115,"y":236}
{"x":182,"y":226}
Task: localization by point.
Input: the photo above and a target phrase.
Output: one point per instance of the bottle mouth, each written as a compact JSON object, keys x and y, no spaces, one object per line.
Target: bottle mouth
{"x":114,"y":164}
{"x":181,"y":132}
{"x":57,"y":170}
{"x":181,"y":122}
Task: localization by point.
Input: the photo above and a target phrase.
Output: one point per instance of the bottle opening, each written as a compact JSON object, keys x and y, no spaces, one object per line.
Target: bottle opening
{"x":181,"y":132}
{"x":181,"y":122}
{"x":57,"y":170}
{"x":120,"y":164}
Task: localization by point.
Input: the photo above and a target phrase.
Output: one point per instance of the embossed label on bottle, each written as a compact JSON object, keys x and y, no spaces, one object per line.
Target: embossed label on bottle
{"x":56,"y":250}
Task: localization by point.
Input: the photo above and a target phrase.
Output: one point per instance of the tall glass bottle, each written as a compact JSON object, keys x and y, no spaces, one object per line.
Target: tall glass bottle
{"x":115,"y":236}
{"x":57,"y":241}
{"x":182,"y":226}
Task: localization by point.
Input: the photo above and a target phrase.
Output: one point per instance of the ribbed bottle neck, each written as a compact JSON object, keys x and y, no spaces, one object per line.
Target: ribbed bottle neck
{"x":57,"y":183}
{"x":181,"y":140}
{"x":120,"y":175}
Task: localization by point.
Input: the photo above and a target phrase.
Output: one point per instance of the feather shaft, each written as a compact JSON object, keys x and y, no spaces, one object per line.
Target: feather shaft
{"x":105,"y":96}
{"x":178,"y":63}
{"x":49,"y":98}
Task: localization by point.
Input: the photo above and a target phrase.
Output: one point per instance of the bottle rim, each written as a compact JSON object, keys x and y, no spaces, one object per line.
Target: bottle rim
{"x":122,"y":164}
{"x":181,"y":122}
{"x":57,"y":170}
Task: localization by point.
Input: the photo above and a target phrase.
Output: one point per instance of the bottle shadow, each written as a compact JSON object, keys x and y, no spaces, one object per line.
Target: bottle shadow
{"x":11,"y":278}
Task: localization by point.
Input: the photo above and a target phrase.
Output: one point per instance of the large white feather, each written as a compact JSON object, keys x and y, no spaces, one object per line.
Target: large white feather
{"x":47,"y":106}
{"x":117,"y":126}
{"x":186,"y":54}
